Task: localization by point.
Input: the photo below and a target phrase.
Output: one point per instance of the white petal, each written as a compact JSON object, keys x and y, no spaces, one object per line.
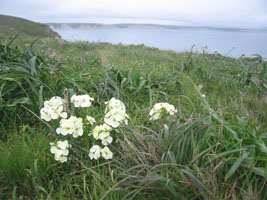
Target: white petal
{"x":64,"y":115}
{"x":53,"y":149}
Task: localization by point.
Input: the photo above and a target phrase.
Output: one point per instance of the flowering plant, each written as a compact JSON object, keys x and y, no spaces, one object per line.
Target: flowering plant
{"x":73,"y":126}
{"x":115,"y":115}
{"x":60,"y":150}
{"x":81,"y":100}
{"x":53,"y":109}
{"x":161,"y":109}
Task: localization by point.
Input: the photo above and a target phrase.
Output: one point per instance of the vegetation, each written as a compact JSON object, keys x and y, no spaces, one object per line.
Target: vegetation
{"x":11,"y":25}
{"x":214,"y":149}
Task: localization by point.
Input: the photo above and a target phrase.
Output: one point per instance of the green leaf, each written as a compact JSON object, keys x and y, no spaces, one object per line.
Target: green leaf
{"x":41,"y":100}
{"x":236,"y":164}
{"x":12,"y":40}
{"x":141,"y":85}
{"x":32,"y":64}
{"x":262,"y":146}
{"x":28,"y":50}
{"x":166,"y":134}
{"x":201,"y":187}
{"x":257,"y":170}
{"x":23,"y":100}
{"x":14,"y":196}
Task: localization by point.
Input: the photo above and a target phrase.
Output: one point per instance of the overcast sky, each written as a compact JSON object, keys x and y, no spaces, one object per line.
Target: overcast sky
{"x":220,"y":13}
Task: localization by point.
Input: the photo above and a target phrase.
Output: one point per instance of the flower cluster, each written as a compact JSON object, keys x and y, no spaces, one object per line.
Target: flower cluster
{"x":160,"y":109}
{"x":81,"y":100}
{"x":73,"y":126}
{"x":101,"y":130}
{"x":115,"y":113}
{"x":60,"y":149}
{"x":96,"y":151}
{"x":114,"y":104}
{"x":53,"y":109}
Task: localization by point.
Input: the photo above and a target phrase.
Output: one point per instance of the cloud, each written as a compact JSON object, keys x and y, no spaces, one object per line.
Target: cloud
{"x":234,"y":13}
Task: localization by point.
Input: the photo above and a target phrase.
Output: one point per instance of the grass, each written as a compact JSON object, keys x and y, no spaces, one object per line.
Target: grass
{"x":215,"y":148}
{"x":10,"y":25}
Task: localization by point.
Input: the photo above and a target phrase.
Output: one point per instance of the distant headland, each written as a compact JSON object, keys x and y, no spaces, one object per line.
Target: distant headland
{"x":70,"y":26}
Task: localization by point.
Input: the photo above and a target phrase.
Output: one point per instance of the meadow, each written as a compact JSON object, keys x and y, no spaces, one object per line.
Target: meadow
{"x":215,"y":147}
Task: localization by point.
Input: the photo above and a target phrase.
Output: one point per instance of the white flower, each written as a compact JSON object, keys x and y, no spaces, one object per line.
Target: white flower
{"x":45,"y":114}
{"x":53,"y":109}
{"x":100,"y":129}
{"x":115,"y":113}
{"x":81,"y":100}
{"x":155,"y":116}
{"x":90,"y":120}
{"x":115,"y":117}
{"x":105,"y":137}
{"x":114,"y":103}
{"x":95,"y":152}
{"x":160,"y":109}
{"x":73,"y":126}
{"x":60,"y":150}
{"x":65,"y":127}
{"x":106,"y":153}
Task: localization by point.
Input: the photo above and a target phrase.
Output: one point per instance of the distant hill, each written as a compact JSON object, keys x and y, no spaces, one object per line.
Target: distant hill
{"x":67,"y":26}
{"x":9,"y":26}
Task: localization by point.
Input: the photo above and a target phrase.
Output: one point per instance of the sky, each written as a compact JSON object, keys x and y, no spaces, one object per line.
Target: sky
{"x":215,"y":13}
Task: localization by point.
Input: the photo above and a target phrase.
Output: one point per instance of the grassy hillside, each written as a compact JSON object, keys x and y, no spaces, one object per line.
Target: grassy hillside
{"x":214,"y":147}
{"x":9,"y":26}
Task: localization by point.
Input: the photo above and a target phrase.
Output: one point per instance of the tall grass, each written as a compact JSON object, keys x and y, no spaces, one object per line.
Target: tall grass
{"x":214,"y":148}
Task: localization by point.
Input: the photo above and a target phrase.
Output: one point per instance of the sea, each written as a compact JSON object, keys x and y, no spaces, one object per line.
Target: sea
{"x":227,"y":43}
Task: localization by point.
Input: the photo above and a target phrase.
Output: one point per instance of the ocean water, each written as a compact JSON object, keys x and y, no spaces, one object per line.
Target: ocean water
{"x":233,"y":44}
